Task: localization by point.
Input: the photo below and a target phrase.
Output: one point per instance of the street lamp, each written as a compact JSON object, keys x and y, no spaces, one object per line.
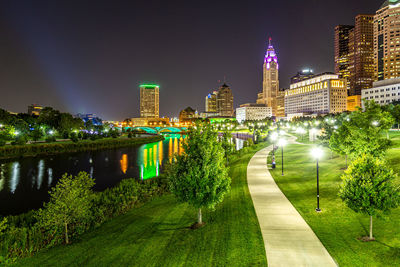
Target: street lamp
{"x":375,"y":123}
{"x":281,"y":143}
{"x":317,"y":154}
{"x":274,"y":136}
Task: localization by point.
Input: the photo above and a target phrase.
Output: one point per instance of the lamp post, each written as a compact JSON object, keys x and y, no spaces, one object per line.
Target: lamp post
{"x":281,"y":143}
{"x":317,"y":154}
{"x":273,"y":137}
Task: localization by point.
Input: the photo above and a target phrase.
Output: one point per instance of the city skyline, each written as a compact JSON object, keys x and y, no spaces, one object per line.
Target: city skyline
{"x":54,"y":56}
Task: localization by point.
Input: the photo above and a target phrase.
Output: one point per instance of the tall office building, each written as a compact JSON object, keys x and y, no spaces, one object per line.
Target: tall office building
{"x":363,"y":54}
{"x":149,"y":101}
{"x":354,"y":58}
{"x":342,"y":51}
{"x":323,"y":94}
{"x":302,"y":75}
{"x":269,"y":94}
{"x":387,"y":40}
{"x":211,"y":102}
{"x":225,"y":101}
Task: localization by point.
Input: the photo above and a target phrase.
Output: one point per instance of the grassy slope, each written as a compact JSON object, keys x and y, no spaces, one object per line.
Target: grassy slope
{"x":157,"y":234}
{"x":337,"y":226}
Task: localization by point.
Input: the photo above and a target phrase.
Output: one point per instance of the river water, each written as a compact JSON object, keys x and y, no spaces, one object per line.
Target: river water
{"x":24,"y":183}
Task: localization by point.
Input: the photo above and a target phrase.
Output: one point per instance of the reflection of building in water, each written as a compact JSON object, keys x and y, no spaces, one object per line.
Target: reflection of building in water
{"x":2,"y":178}
{"x":14,"y":176}
{"x":40,"y":174}
{"x":151,"y":156}
{"x":50,"y":175}
{"x":124,"y":163}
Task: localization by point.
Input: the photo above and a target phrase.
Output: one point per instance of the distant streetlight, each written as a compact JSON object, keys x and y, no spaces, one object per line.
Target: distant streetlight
{"x":375,"y":123}
{"x":51,"y":132}
{"x":274,"y":137}
{"x":317,"y":154}
{"x":16,"y":133}
{"x":282,"y":143}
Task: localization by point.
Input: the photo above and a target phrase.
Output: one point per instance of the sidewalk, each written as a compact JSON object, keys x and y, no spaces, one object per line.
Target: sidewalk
{"x":288,"y":239}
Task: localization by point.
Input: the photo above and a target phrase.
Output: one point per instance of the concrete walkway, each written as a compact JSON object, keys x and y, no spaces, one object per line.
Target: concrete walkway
{"x":288,"y":239}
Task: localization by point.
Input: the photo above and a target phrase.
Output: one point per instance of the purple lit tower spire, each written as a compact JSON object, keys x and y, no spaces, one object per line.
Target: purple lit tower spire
{"x":271,"y":56}
{"x":270,"y":88}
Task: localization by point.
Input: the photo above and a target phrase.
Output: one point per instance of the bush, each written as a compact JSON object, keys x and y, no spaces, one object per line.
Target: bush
{"x":22,"y":235}
{"x":2,"y":142}
{"x":19,"y":140}
{"x":50,"y":139}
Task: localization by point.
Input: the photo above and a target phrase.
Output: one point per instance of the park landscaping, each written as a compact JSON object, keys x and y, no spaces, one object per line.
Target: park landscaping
{"x":339,"y":228}
{"x":158,"y":233}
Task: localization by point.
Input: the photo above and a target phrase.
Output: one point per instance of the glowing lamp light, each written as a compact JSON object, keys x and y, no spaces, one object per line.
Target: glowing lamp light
{"x":51,"y":132}
{"x":281,"y":142}
{"x":282,"y":132}
{"x":16,"y":133}
{"x":274,"y":136}
{"x":317,"y":122}
{"x":313,"y":130}
{"x":1,"y":125}
{"x":375,"y":123}
{"x":317,"y":152}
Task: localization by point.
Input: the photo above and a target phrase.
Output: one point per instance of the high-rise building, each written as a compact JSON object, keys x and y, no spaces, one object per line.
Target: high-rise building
{"x":342,"y":51}
{"x":269,"y":94}
{"x":302,"y":75}
{"x":34,"y":109}
{"x":149,"y":101}
{"x":383,"y":92}
{"x":354,"y":59}
{"x":322,"y":94}
{"x":362,"y":55}
{"x":211,"y":102}
{"x":387,"y":40}
{"x":225,"y":101}
{"x":280,"y":100}
{"x":253,"y":112}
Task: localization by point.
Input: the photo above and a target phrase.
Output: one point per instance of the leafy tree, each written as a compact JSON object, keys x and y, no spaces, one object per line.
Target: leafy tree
{"x":367,"y":187}
{"x":227,"y":145}
{"x":341,"y":141}
{"x":49,"y":117}
{"x":367,"y":130}
{"x":36,"y":133}
{"x":70,"y":202}
{"x":199,"y":175}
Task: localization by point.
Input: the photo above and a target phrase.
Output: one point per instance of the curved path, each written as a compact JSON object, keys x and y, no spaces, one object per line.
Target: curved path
{"x":288,"y":239}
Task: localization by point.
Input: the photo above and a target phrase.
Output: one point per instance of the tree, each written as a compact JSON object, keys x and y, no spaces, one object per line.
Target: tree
{"x":341,"y":141}
{"x":367,"y":187}
{"x":36,"y":133}
{"x":227,"y":145}
{"x":367,"y":130}
{"x":70,"y":202}
{"x":199,"y":175}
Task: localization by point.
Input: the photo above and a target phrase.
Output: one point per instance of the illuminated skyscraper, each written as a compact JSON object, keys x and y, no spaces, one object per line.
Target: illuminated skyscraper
{"x":225,"y":101}
{"x":149,"y":101}
{"x":269,"y":94}
{"x":354,"y":56}
{"x":342,"y":51}
{"x":211,"y":102}
{"x":387,"y":40}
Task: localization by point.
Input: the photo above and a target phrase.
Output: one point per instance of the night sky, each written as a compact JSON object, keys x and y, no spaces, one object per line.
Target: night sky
{"x":90,"y":56}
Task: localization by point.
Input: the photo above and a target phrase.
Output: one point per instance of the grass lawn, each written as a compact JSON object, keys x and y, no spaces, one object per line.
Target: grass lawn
{"x":157,"y":234}
{"x":337,"y":226}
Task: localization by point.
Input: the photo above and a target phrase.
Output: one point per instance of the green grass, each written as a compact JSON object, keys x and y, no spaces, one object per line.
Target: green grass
{"x":157,"y":234}
{"x":337,"y":226}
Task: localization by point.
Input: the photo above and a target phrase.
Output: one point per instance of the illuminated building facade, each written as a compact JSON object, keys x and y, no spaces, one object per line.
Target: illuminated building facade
{"x":211,"y":102}
{"x":253,"y":112}
{"x":383,"y":92}
{"x":387,"y":40}
{"x":323,"y":94}
{"x":302,"y":75}
{"x":34,"y":110}
{"x":149,"y":101}
{"x":188,"y":114}
{"x":280,"y":100}
{"x":225,"y":101}
{"x":342,"y":51}
{"x":269,"y":94}
{"x":353,"y":102}
{"x":354,"y":53}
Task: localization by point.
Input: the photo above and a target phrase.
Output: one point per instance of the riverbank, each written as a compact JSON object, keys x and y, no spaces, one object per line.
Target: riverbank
{"x":158,"y":233}
{"x":40,"y":149}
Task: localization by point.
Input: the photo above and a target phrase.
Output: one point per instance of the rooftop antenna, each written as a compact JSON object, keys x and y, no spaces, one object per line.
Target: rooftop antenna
{"x":269,"y":41}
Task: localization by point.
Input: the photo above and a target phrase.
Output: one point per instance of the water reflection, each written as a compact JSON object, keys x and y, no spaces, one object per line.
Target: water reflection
{"x":24,"y":183}
{"x":14,"y":176}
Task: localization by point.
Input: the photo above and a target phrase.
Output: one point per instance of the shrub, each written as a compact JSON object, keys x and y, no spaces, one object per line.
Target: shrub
{"x":2,"y":142}
{"x":50,"y":139}
{"x":19,"y":140}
